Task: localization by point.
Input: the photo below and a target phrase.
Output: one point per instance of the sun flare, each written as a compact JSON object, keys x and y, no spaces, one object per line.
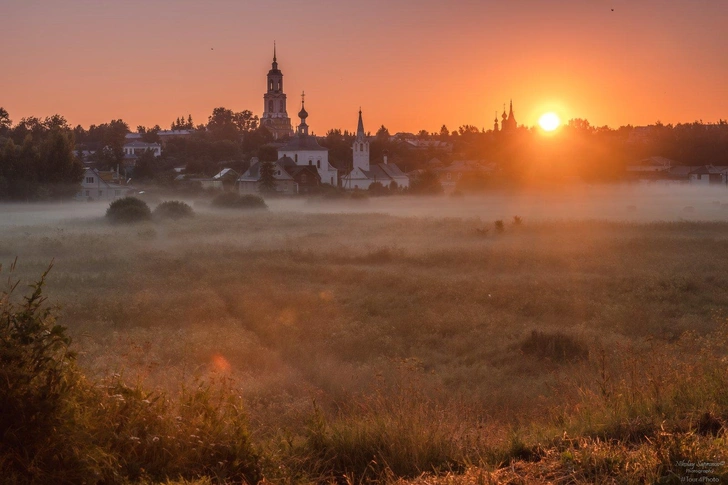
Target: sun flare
{"x":549,"y":121}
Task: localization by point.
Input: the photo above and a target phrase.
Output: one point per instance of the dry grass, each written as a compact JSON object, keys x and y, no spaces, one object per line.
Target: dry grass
{"x":351,"y":310}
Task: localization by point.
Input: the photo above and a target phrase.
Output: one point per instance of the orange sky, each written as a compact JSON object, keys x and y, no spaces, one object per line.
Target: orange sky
{"x":410,"y":64}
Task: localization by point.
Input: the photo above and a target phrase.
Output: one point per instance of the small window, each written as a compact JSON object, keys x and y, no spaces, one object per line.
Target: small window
{"x":89,"y":180}
{"x":310,"y":162}
{"x":296,"y":155}
{"x":88,"y":193}
{"x":101,"y":192}
{"x":318,"y":163}
{"x":361,"y":147}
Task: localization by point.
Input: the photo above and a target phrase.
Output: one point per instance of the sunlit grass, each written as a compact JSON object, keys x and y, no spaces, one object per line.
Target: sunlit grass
{"x":352,"y":311}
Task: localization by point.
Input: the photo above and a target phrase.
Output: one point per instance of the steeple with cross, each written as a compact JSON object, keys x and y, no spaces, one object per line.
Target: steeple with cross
{"x":275,"y":117}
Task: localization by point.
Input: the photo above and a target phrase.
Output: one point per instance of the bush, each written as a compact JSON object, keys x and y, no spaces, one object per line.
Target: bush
{"x":231,"y":200}
{"x":128,"y":209}
{"x":57,"y":427}
{"x":173,"y":209}
{"x":499,"y":226}
{"x":426,"y":183}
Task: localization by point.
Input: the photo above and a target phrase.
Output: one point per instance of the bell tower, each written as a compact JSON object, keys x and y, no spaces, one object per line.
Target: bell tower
{"x":361,"y":147}
{"x":275,"y":117}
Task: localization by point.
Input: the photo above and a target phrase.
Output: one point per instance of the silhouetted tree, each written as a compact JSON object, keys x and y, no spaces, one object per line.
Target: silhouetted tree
{"x":267,"y":182}
{"x":382,"y":132}
{"x":426,"y":183}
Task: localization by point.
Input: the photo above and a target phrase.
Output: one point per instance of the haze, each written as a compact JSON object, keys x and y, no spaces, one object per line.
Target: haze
{"x":411,"y":65}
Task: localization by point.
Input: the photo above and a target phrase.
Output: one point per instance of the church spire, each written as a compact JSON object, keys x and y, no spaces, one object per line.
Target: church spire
{"x":360,"y":127}
{"x":275,"y":61}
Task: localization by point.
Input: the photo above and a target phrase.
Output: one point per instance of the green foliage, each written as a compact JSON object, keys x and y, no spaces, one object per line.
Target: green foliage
{"x":128,"y":209}
{"x":173,"y":209}
{"x":267,"y":182}
{"x":57,"y":427}
{"x":232,"y":200}
{"x":377,"y":188}
{"x":426,"y":183}
{"x":44,"y":166}
{"x":225,"y":124}
{"x":37,"y":380}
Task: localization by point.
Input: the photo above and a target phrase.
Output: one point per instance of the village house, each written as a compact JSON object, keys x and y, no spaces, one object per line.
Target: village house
{"x":98,"y":185}
{"x":650,"y":166}
{"x":134,"y":149}
{"x":290,"y":178}
{"x":709,"y":174}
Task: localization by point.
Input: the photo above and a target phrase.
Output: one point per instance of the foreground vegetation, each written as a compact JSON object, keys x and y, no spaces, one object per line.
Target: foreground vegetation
{"x":376,"y":348}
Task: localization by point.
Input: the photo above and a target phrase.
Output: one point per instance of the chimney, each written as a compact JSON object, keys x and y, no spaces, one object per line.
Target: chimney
{"x":384,"y":156}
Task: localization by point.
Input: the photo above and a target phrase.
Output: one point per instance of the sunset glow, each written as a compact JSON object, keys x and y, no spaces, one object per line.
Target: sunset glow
{"x":549,"y":121}
{"x":150,"y":62}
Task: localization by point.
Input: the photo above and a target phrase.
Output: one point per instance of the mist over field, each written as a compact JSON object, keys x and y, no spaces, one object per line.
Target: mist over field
{"x":415,"y":329}
{"x":642,"y":202}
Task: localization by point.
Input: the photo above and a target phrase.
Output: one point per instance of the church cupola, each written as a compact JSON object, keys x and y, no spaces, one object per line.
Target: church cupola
{"x":495,"y":124}
{"x":303,"y":114}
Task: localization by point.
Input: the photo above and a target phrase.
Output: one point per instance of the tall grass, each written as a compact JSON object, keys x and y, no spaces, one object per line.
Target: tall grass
{"x":58,"y":427}
{"x":280,"y":309}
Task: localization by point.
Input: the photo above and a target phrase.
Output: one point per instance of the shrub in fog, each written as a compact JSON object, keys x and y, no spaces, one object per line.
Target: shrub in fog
{"x":231,"y":200}
{"x":59,"y":427}
{"x":128,"y":209}
{"x":173,"y":209}
{"x":499,"y":226}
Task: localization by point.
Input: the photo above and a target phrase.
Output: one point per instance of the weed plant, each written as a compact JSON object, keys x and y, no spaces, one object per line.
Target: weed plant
{"x":58,"y":427}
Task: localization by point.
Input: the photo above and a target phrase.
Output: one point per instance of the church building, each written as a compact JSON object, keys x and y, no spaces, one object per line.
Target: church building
{"x":508,"y":125}
{"x":303,"y":149}
{"x":275,"y":117}
{"x":363,"y":174}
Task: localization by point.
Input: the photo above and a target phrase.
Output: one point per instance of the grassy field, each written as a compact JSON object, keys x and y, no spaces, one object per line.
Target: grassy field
{"x":377,"y":342}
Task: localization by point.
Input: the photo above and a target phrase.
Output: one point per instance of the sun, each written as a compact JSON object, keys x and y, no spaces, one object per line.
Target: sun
{"x":549,"y":121}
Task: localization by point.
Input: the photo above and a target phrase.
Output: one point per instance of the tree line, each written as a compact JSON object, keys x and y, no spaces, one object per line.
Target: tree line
{"x":43,"y":158}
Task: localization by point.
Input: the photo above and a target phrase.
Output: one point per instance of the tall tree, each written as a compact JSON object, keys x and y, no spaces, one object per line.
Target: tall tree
{"x":267,"y":181}
{"x":59,"y":168}
{"x":5,"y":121}
{"x":382,"y":133}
